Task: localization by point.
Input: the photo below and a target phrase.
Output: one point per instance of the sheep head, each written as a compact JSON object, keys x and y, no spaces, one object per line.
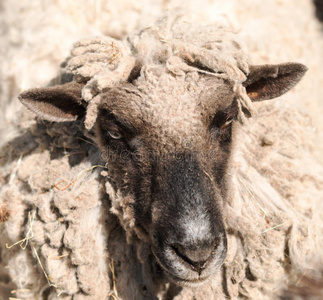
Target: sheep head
{"x":170,"y":151}
{"x":165,"y":124}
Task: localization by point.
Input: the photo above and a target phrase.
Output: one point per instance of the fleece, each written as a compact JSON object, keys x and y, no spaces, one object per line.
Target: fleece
{"x":63,"y":223}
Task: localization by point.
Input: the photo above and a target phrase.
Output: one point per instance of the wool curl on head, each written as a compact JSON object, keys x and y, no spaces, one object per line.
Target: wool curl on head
{"x":178,"y":46}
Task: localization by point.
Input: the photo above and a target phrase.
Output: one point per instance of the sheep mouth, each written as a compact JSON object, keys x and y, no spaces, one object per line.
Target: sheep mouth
{"x":186,"y":282}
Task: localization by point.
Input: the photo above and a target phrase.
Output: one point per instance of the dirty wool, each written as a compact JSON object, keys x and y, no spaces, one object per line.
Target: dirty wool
{"x":67,"y":233}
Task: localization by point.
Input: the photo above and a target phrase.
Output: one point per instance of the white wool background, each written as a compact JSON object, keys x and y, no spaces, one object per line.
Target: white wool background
{"x":36,"y":36}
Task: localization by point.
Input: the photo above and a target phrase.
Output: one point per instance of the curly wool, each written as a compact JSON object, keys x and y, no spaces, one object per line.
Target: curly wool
{"x":61,"y":207}
{"x":179,"y":46}
{"x":271,"y":225}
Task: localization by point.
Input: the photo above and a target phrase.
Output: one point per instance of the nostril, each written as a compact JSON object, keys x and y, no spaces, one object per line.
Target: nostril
{"x":179,"y":250}
{"x":197,"y":259}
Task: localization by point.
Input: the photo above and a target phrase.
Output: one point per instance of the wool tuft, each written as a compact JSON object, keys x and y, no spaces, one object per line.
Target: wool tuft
{"x":180,"y":46}
{"x":71,"y":235}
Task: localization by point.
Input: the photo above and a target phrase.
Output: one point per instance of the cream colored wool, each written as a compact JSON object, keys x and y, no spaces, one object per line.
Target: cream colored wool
{"x":169,"y":41}
{"x":54,"y":218}
{"x":277,"y":183}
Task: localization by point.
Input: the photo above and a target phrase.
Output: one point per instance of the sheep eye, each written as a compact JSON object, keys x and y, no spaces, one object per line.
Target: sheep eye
{"x":115,"y":135}
{"x":227,"y":123}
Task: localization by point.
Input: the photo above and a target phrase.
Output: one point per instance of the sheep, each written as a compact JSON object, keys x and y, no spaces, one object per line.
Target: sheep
{"x":119,"y":208}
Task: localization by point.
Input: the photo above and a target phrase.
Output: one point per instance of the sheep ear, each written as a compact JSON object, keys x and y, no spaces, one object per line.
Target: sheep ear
{"x":266,"y":82}
{"x":58,"y":103}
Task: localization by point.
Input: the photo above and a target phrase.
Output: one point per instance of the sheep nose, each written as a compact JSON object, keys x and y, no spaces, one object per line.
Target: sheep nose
{"x":196,"y":257}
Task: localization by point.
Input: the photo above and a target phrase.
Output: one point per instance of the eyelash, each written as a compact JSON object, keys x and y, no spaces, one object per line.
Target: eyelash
{"x":220,"y":125}
{"x":227,"y":123}
{"x":221,"y":120}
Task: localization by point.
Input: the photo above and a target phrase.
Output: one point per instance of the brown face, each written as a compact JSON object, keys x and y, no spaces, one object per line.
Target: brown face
{"x":171,"y":154}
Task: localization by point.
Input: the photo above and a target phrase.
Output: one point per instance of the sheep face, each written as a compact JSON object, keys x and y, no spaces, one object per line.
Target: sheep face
{"x":172,"y":158}
{"x":167,"y":142}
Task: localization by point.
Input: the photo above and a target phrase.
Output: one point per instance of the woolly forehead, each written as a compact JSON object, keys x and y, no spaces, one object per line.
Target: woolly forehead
{"x":169,"y":107}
